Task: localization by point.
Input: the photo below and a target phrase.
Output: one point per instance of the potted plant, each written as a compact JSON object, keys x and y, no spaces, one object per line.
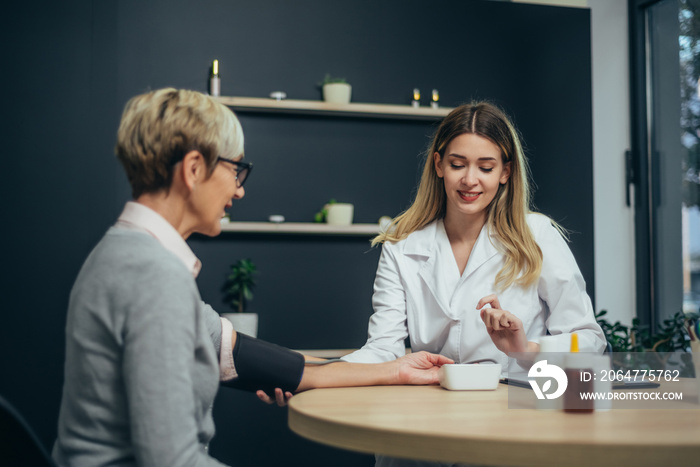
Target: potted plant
{"x":322,"y":215}
{"x":336,"y":90}
{"x":670,"y":336}
{"x":335,"y":213}
{"x":238,"y":290}
{"x":628,"y":342}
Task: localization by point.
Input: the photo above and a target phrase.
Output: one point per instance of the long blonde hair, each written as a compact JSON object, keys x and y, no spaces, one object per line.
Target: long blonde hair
{"x":506,"y":216}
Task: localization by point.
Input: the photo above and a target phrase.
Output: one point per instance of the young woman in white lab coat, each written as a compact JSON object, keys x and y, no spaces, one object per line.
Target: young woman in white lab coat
{"x":469,"y":271}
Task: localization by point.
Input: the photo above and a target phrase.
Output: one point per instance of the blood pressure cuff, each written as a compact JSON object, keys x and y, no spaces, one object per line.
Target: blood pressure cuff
{"x":266,"y":366}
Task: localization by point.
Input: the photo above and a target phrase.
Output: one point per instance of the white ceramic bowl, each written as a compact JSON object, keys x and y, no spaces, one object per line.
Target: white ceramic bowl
{"x":470,"y":376}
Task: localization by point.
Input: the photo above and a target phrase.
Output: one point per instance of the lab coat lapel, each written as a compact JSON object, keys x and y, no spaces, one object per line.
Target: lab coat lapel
{"x":484,"y":249}
{"x":422,"y":246}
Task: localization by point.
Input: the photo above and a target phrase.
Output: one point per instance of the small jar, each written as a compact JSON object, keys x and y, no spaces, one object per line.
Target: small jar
{"x":579,"y":373}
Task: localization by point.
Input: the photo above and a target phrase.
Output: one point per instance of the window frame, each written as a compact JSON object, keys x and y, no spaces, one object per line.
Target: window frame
{"x":642,"y":162}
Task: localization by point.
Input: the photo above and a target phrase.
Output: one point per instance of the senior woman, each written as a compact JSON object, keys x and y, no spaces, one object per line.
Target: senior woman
{"x":144,"y":354}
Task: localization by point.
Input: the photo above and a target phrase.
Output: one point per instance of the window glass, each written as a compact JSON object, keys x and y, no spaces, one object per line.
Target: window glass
{"x":672,"y":53}
{"x":664,"y":152}
{"x":689,"y":55}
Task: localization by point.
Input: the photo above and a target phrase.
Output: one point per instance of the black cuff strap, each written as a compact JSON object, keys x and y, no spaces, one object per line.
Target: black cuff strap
{"x":266,"y":366}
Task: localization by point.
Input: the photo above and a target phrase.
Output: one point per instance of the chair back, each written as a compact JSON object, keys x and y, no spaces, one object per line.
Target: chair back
{"x":19,"y":445}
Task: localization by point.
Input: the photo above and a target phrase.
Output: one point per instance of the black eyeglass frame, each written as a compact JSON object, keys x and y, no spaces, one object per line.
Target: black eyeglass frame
{"x":241,"y":166}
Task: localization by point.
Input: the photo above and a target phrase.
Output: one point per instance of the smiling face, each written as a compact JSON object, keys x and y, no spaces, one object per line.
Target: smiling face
{"x":213,"y":196}
{"x":472,"y":170}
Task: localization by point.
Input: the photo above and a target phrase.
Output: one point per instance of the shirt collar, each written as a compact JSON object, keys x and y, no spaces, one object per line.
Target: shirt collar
{"x":136,"y":216}
{"x":423,"y":242}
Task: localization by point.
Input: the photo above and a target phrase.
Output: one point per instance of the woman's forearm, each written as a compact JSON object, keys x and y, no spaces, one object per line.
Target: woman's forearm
{"x":415,"y":368}
{"x":343,"y":374}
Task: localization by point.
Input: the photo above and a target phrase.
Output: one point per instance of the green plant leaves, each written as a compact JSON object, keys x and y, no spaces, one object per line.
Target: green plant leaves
{"x":240,"y":283}
{"x":322,"y":215}
{"x":328,"y":79}
{"x":669,"y":337}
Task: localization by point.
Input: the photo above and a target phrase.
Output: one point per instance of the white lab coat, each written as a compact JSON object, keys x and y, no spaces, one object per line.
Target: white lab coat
{"x":418,"y":292}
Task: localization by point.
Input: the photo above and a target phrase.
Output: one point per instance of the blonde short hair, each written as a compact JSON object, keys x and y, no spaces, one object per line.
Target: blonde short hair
{"x":160,"y":127}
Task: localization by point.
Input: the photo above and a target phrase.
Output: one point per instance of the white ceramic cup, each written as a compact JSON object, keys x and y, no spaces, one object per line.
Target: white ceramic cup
{"x":340,"y":214}
{"x":602,"y":363}
{"x":555,"y":344}
{"x":553,"y":349}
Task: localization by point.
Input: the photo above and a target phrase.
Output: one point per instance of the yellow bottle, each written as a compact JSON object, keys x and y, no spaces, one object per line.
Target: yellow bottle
{"x":574,"y":343}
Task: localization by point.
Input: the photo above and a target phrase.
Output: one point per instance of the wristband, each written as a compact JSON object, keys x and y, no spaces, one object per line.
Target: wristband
{"x":266,"y":366}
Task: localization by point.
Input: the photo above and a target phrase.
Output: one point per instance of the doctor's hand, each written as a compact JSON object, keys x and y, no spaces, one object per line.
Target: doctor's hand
{"x":419,"y":368}
{"x":504,"y":328}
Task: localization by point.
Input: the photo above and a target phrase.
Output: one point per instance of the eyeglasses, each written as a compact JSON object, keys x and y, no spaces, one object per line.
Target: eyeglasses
{"x":242,"y":169}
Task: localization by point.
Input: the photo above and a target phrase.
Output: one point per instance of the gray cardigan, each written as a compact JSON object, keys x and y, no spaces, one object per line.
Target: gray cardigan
{"x":142,"y":367}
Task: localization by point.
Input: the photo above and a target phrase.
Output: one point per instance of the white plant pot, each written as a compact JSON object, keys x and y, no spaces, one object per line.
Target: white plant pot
{"x":340,"y":214}
{"x":337,"y":93}
{"x":247,"y":323}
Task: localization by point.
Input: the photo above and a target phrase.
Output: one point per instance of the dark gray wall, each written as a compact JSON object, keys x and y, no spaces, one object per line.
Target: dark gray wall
{"x":70,"y":69}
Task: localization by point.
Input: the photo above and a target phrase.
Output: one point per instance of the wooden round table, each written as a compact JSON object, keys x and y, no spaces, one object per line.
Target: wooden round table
{"x":431,"y":423}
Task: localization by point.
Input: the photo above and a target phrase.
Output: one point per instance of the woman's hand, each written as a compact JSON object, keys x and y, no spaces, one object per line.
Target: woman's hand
{"x":420,"y":368}
{"x":280,"y":398}
{"x":506,"y":329}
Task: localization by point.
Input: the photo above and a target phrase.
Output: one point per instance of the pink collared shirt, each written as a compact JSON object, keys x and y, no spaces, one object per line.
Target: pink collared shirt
{"x":136,"y":216}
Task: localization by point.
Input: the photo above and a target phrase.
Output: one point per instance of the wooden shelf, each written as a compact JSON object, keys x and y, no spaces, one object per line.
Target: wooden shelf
{"x":301,"y":228}
{"x":257,"y":104}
